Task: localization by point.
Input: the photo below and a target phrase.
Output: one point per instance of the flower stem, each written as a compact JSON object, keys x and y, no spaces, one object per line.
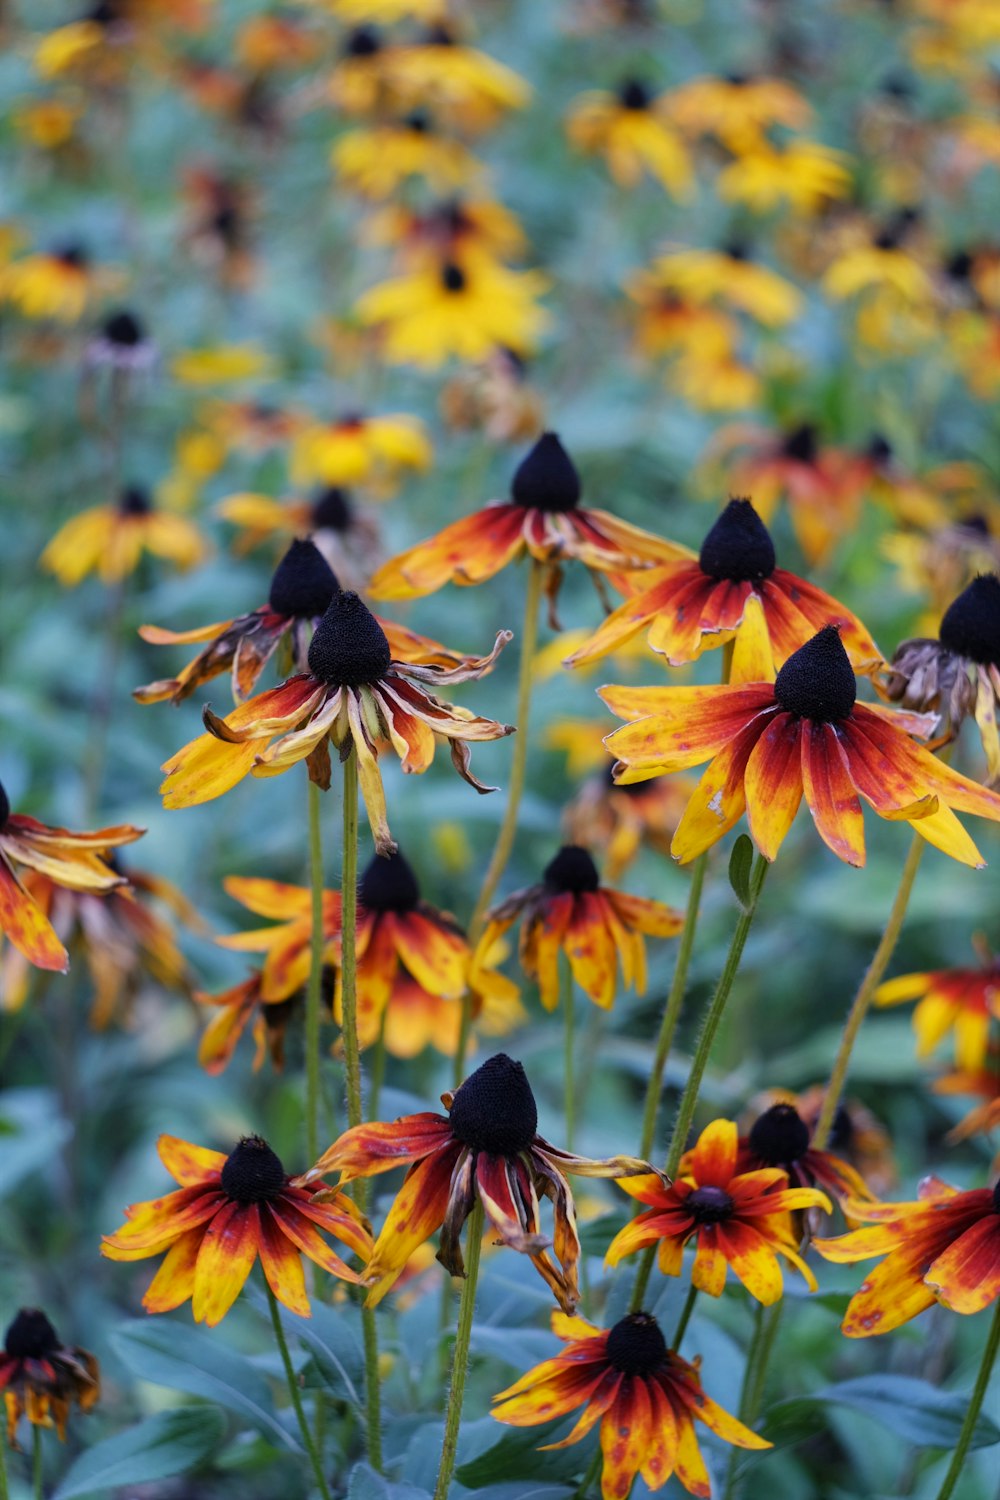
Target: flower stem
{"x":315,"y":985}
{"x":866,"y":990}
{"x":710,"y":1025}
{"x":349,"y":933}
{"x":518,"y":765}
{"x":373,"y":1389}
{"x":975,"y":1406}
{"x":4,"y":1490}
{"x":672,"y":1011}
{"x":37,"y":1479}
{"x":460,"y":1356}
{"x":566,"y":985}
{"x":596,"y":1464}
{"x":684,"y":1319}
{"x":293,"y":1391}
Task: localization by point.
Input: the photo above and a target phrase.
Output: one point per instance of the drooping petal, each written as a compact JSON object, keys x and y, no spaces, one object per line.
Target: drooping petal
{"x":367,"y":1149}
{"x":753,"y":1260}
{"x":719,"y":800}
{"x":713,"y":1158}
{"x":190,"y":1165}
{"x":27,"y":926}
{"x":966,"y":1276}
{"x":891,"y":1294}
{"x":830,"y":794}
{"x":466,"y":552}
{"x":418,"y":1210}
{"x":302,"y":1233}
{"x":225,"y":1260}
{"x":436,"y":955}
{"x":498,"y":1197}
{"x":173,"y":1283}
{"x":282,"y":1265}
{"x":625,"y":1438}
{"x":773,"y":783}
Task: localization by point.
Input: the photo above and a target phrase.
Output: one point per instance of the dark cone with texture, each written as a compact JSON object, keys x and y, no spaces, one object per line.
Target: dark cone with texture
{"x":303,"y":583}
{"x":547,"y":478}
{"x":349,"y":647}
{"x":817,"y":681}
{"x":494,"y":1110}
{"x":572,"y":870}
{"x":779,"y":1135}
{"x":252,"y":1173}
{"x":971,"y":624}
{"x":636,"y":1346}
{"x":389,"y":884}
{"x":738,"y":547}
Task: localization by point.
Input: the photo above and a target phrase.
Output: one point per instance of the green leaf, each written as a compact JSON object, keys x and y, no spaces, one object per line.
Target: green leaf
{"x":365,"y":1484}
{"x":173,"y":1442}
{"x":516,"y":1456}
{"x":188,"y":1359}
{"x":740,"y":865}
{"x":913,"y":1409}
{"x":333,"y":1337}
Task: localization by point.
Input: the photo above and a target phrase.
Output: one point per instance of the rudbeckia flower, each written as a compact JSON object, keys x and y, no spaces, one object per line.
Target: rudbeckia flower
{"x":731,"y":277}
{"x":645,"y":1397}
{"x":494,"y":398}
{"x":619,"y":820}
{"x":780,"y":1138}
{"x":943,"y":1248}
{"x":348,"y":538}
{"x":884,"y":264}
{"x":452,"y":232}
{"x":121,"y":344}
{"x":595,"y":927}
{"x":245,"y":1005}
{"x":543,"y":518}
{"x":690,"y":606}
{"x":803,"y":174}
{"x":468,"y":89}
{"x":219,"y":364}
{"x":376,"y":160}
{"x":633,"y":132}
{"x":287,"y":944}
{"x":110,"y":540}
{"x":738,"y":1219}
{"x":228,"y":1211}
{"x":769,"y":742}
{"x":737,"y":109}
{"x":965,"y":1001}
{"x":74,"y":860}
{"x":984,"y":1117}
{"x":958,"y":675}
{"x":41,"y":1377}
{"x":55,"y":284}
{"x":857,"y":1138}
{"x":355,"y":449}
{"x":385,"y":12}
{"x":354,"y":693}
{"x":487,"y":1146}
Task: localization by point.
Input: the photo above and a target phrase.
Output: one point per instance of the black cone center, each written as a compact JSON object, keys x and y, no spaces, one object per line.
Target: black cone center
{"x":252,"y":1173}
{"x":135,"y":501}
{"x":571,"y":870}
{"x":842,"y":1130}
{"x":709,"y":1205}
{"x":362,"y":42}
{"x":31,"y":1335}
{"x":971,"y":624}
{"x":779,"y":1136}
{"x":494,"y":1110}
{"x":547,"y":478}
{"x":389,"y":884}
{"x":738,"y":547}
{"x":636,"y":1346}
{"x":349,"y":647}
{"x":124,"y":328}
{"x":817,"y":681}
{"x":452,"y":278}
{"x":332,"y":510}
{"x":4,"y":807}
{"x":634,"y":95}
{"x":303,"y":583}
{"x":801,"y":444}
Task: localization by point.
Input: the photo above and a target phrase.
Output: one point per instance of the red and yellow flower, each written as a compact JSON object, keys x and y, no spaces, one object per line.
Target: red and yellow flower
{"x":857,"y":1140}
{"x":984,"y":1117}
{"x":964,"y":1001}
{"x":227,"y":1212}
{"x":943,"y":1248}
{"x":244,"y":1005}
{"x":780,"y":1138}
{"x":354,"y":694}
{"x":41,"y":1377}
{"x":737,"y":1219}
{"x":287,"y":945}
{"x":634,"y":133}
{"x":770,"y":742}
{"x":109,"y":540}
{"x":486,"y":1147}
{"x":645,"y":1396}
{"x":56,"y":284}
{"x":597,"y":929}
{"x":730,"y":277}
{"x":619,"y":820}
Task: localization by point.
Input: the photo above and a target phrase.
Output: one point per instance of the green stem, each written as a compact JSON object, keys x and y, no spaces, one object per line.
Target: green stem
{"x":710,"y":1025}
{"x":96,"y":752}
{"x":518,"y":766}
{"x":4,"y":1490}
{"x":373,"y":1390}
{"x":37,"y":1481}
{"x":460,"y":1356}
{"x":348,"y":943}
{"x":765,"y":1332}
{"x":314,"y":988}
{"x":596,"y":1463}
{"x":975,"y":1406}
{"x":866,"y":990}
{"x":684,"y":1319}
{"x":293,"y":1391}
{"x":566,"y":985}
{"x":671,"y":1014}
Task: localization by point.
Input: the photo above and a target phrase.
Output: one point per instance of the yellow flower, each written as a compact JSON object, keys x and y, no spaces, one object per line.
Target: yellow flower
{"x":447,"y":233}
{"x":217,"y":364}
{"x":48,"y":123}
{"x":737,"y":110}
{"x":728,"y":276}
{"x":355,"y":449}
{"x":62,"y":50}
{"x":632,"y":132}
{"x":384,"y":12}
{"x":110,"y":539}
{"x":466,"y":87}
{"x":375,"y":160}
{"x":49,"y":284}
{"x":804,"y":175}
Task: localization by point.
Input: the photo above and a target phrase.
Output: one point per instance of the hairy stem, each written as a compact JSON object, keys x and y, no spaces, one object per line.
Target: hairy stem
{"x":315,"y":985}
{"x":975,"y":1406}
{"x":460,"y":1356}
{"x":293,"y":1391}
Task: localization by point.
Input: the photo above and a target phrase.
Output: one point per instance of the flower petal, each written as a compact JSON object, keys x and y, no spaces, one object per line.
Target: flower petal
{"x":191,"y":1166}
{"x":773,"y":783}
{"x":225,"y":1260}
{"x":27,"y":926}
{"x":626,"y":1432}
{"x":830,"y":794}
{"x":173,"y":1283}
{"x":966,"y":1276}
{"x":713,"y":1158}
{"x":418,"y":1210}
{"x":367,"y":1149}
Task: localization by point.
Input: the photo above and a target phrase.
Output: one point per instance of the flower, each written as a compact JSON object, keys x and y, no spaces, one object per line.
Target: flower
{"x":633,"y":132}
{"x":595,"y":927}
{"x":943,"y":1248}
{"x":882,"y":265}
{"x":739,"y":1219}
{"x":769,"y":742}
{"x":245,"y":1003}
{"x":965,"y":1001}
{"x":376,"y":160}
{"x":780,"y":1137}
{"x":804,"y":174}
{"x":355,"y":449}
{"x":984,"y":1082}
{"x":857,"y":1139}
{"x":110,"y":539}
{"x":494,"y":398}
{"x":121,"y":344}
{"x":619,"y":820}
{"x":228,"y":1211}
{"x":737,"y":109}
{"x":218,"y":364}
{"x":74,"y":860}
{"x":645,"y":1397}
{"x":353,"y":693}
{"x":958,"y":675}
{"x":485,"y":1147}
{"x":543,"y":518}
{"x":689,"y":606}
{"x":41,"y":1377}
{"x":731,"y":277}
{"x":469,"y":90}
{"x":287,"y":945}
{"x":55,"y":284}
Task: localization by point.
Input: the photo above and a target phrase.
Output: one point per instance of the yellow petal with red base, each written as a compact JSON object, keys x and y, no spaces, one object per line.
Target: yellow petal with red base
{"x":173,"y":1283}
{"x":718,"y":801}
{"x":660,"y":1457}
{"x":367,"y":1149}
{"x":752,"y":1259}
{"x":151,"y":1226}
{"x":225,"y":1260}
{"x":205,"y":769}
{"x":713,"y":1158}
{"x":418,"y":1210}
{"x":708,"y":1273}
{"x":156,"y":635}
{"x":27,"y":926}
{"x":966,"y":1276}
{"x":690,"y":1468}
{"x":773,"y":783}
{"x":302,"y":1233}
{"x":830,"y":794}
{"x":891,"y":1294}
{"x":436,"y":956}
{"x":188,"y":1164}
{"x":625,"y":1438}
{"x":691,"y":725}
{"x":468,"y":551}
{"x":590,"y":948}
{"x":282,"y":1266}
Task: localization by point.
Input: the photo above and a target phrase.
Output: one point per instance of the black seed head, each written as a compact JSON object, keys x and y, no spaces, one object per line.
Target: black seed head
{"x":439,"y":36}
{"x":419,"y":121}
{"x":494,"y":1110}
{"x":897,"y":86}
{"x":105,"y":13}
{"x":4,"y":807}
{"x":123,"y":328}
{"x":547,"y":478}
{"x":842,"y":1130}
{"x":802,"y":444}
{"x":737,"y":250}
{"x":72,"y":254}
{"x":779,"y":1136}
{"x":709,"y":1205}
{"x":817,"y":680}
{"x":634,"y":95}
{"x":252,"y":1173}
{"x":303,"y":583}
{"x":958,"y":265}
{"x":332,"y":510}
{"x":879,"y":448}
{"x":571,"y":871}
{"x":978,"y":524}
{"x":362,"y":42}
{"x":452,"y":278}
{"x":31,"y":1335}
{"x":349,"y":647}
{"x":134,"y":500}
{"x":971,"y":624}
{"x":389,"y":884}
{"x":738,"y":80}
{"x":636,"y":1346}
{"x":892,"y":233}
{"x":739,"y":546}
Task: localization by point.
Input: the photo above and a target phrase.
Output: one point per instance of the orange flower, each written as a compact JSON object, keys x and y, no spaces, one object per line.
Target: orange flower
{"x":73,"y":860}
{"x":985,"y":1081}
{"x":619,"y":820}
{"x":690,"y":606}
{"x":287,"y":945}
{"x":228,"y":1211}
{"x":779,"y":1137}
{"x":543,"y":518}
{"x":243,"y":1004}
{"x":965,"y":1001}
{"x":769,"y":742}
{"x":354,"y":693}
{"x":943,"y":1248}
{"x":486,"y":1147}
{"x":740,"y":1219}
{"x":645,"y":1397}
{"x":41,"y":1377}
{"x":856,"y":1136}
{"x":595,"y":927}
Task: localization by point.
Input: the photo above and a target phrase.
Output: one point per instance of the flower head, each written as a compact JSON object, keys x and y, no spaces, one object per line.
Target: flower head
{"x":738,"y":109}
{"x":376,"y":160}
{"x":769,"y":742}
{"x":780,"y":1138}
{"x":965,"y":1001}
{"x":41,"y":1377}
{"x":110,"y":540}
{"x":56,"y":284}
{"x":228,"y":1211}
{"x":246,"y":1004}
{"x":355,"y":449}
{"x":857,"y":1140}
{"x":646,"y":1398}
{"x":487,"y":1146}
{"x":619,"y":820}
{"x":730,"y":277}
{"x":633,"y":132}
{"x":121,"y":344}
